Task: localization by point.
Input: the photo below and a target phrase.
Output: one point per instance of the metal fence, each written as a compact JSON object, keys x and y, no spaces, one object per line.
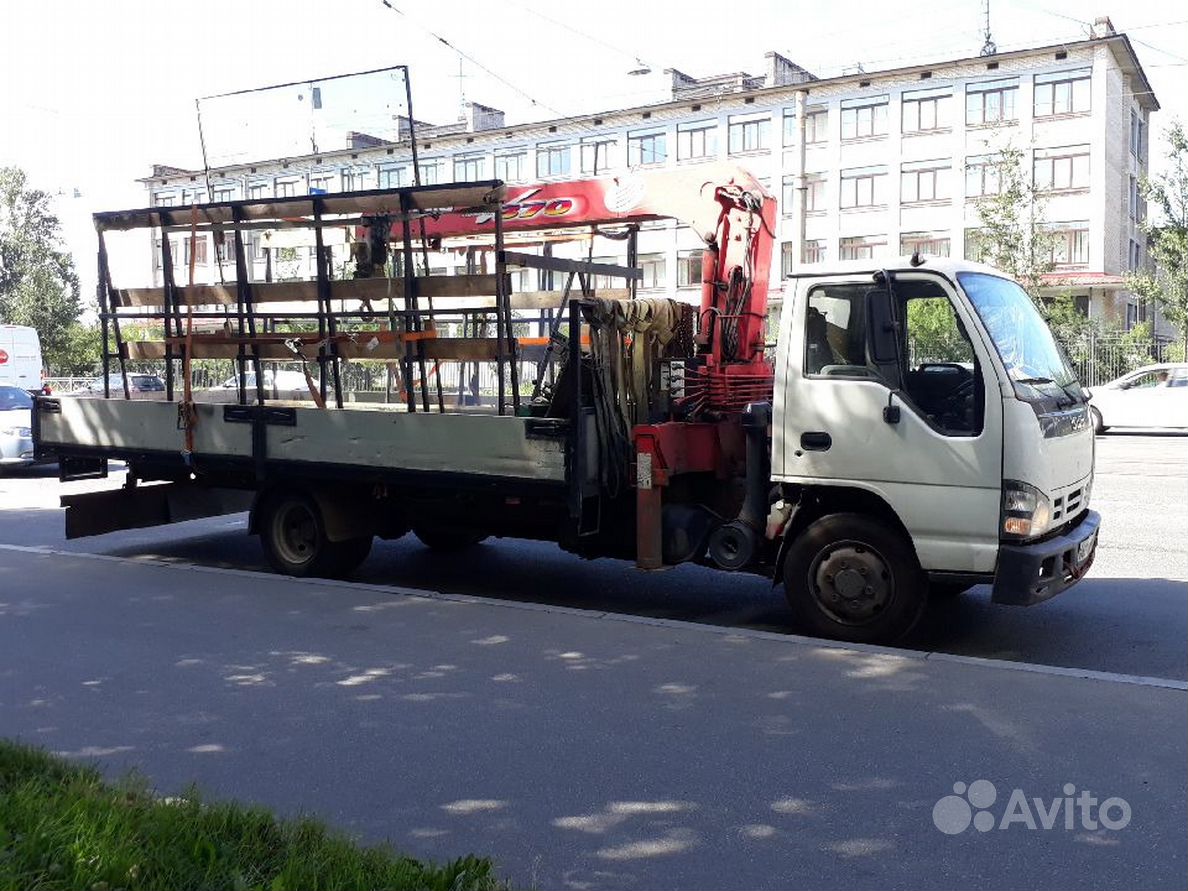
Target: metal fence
{"x":1100,"y":358}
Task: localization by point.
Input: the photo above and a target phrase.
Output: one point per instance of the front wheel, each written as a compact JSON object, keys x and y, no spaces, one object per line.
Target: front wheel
{"x":848,"y":577}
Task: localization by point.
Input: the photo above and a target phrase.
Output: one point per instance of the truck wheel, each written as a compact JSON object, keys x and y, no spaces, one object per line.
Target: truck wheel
{"x":294,"y":538}
{"x":849,"y":578}
{"x":1099,"y":426}
{"x":440,"y":538}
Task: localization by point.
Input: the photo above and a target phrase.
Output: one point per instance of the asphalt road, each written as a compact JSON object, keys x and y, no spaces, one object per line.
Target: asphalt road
{"x":594,"y":727}
{"x":1129,"y":616}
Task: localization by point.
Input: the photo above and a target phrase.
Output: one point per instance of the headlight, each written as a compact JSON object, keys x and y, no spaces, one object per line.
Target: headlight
{"x":1026,"y":511}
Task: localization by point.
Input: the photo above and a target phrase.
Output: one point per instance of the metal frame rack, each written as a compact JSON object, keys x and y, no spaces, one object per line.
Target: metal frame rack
{"x":249,"y":332}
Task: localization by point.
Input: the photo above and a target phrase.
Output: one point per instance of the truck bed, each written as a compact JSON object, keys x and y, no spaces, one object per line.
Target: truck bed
{"x":365,"y":436}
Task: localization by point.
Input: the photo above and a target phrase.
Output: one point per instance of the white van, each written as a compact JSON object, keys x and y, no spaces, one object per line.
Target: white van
{"x":20,"y":357}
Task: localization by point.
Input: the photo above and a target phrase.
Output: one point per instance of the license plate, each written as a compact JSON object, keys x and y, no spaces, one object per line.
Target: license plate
{"x":1085,"y":549}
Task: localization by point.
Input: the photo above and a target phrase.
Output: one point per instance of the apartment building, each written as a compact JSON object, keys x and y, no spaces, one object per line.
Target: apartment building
{"x":864,"y":166}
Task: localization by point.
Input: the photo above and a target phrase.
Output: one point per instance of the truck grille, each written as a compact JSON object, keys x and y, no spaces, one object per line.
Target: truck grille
{"x":1067,"y":504}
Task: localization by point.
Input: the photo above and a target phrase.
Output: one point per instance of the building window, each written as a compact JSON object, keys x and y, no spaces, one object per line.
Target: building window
{"x":696,"y":141}
{"x":164,"y":199}
{"x":1131,"y":315}
{"x":511,"y":168}
{"x":991,"y":103}
{"x":751,"y":135}
{"x":652,"y":266}
{"x":814,"y":193}
{"x":864,"y":118}
{"x":924,"y":181}
{"x":393,"y":177}
{"x":552,"y":160}
{"x":689,"y":268}
{"x":1064,"y":93}
{"x":223,"y":193}
{"x":976,"y":246}
{"x":789,"y":126}
{"x":1070,"y":245}
{"x":597,"y":155}
{"x":286,"y":188}
{"x":354,"y":180}
{"x":816,"y":127}
{"x":199,"y":247}
{"x":814,"y":251}
{"x":1133,"y":197}
{"x":787,"y":259}
{"x":1136,"y":256}
{"x":925,"y":111}
{"x":469,"y":168}
{"x":862,"y":247}
{"x":321,"y":183}
{"x":1137,"y":135}
{"x":863,"y":187}
{"x":430,"y":172}
{"x":927,"y":244}
{"x":1062,"y":169}
{"x":788,"y":195}
{"x":258,"y":191}
{"x":646,"y":148}
{"x":981,"y":177}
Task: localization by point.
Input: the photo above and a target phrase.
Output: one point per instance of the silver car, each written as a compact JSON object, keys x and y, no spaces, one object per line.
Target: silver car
{"x":16,"y":437}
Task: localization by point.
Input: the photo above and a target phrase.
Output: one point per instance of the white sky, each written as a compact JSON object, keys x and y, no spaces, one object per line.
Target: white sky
{"x":95,"y":91}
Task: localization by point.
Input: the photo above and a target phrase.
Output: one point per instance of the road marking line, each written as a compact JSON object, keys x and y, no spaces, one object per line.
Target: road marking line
{"x":683,"y":624}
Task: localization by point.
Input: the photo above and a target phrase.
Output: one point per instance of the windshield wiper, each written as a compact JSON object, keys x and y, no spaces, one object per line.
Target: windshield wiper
{"x":1073,"y":400}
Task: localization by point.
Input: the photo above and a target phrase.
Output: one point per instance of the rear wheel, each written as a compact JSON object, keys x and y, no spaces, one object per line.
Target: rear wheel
{"x":1099,"y":426}
{"x":295,"y":543}
{"x":850,"y":578}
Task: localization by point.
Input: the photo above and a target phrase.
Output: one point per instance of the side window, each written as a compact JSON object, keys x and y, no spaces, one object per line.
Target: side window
{"x":941,"y":377}
{"x":1141,"y":381}
{"x":835,"y":332}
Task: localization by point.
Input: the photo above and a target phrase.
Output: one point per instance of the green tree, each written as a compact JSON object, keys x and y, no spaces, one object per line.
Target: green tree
{"x":38,"y":284}
{"x":81,"y":351}
{"x":1014,"y":236}
{"x":1167,"y":236}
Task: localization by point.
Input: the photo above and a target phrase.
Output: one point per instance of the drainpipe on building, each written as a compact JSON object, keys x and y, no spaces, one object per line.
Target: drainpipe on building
{"x":801,"y":191}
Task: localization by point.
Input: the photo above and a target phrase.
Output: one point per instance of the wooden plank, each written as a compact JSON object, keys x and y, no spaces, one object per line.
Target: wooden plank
{"x":470,"y":349}
{"x":560,"y":264}
{"x":373,"y":289}
{"x":453,"y":196}
{"x":552,"y":299}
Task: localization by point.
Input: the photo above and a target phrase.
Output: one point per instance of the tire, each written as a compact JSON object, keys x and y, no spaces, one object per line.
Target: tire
{"x":1099,"y":426}
{"x":441,"y":538}
{"x":848,"y":577}
{"x":294,"y":537}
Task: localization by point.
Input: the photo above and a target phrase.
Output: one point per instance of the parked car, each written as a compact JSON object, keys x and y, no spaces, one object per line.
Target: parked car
{"x":16,"y":439}
{"x":277,"y":384}
{"x":143,"y":385}
{"x":1154,"y":396}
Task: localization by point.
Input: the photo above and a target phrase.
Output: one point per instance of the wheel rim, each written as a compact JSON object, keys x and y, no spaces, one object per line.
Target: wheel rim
{"x":851,"y":582}
{"x":295,"y":533}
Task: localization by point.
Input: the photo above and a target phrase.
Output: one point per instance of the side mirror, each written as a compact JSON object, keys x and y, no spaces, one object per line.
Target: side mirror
{"x":882,"y":334}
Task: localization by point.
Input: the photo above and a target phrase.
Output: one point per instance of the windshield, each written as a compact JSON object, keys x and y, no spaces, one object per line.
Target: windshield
{"x":1034,"y":361}
{"x":14,"y":397}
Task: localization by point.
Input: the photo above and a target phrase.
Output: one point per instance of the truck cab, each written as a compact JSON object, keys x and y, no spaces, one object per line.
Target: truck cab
{"x":926,"y":398}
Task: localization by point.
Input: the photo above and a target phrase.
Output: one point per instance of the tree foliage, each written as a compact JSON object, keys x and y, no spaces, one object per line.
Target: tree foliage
{"x":38,"y":284}
{"x":1167,"y":233}
{"x":1013,"y":235}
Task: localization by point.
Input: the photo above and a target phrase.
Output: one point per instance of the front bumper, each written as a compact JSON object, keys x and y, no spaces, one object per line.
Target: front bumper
{"x":1032,"y":573}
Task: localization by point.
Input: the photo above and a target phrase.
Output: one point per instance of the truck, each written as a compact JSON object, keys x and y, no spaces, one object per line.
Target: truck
{"x":915,"y":431}
{"x":20,"y":357}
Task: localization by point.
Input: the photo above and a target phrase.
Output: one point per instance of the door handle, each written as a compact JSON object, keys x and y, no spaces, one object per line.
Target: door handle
{"x":815,"y":441}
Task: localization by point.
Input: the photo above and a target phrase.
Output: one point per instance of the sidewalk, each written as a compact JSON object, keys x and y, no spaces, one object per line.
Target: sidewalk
{"x":585,"y":750}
